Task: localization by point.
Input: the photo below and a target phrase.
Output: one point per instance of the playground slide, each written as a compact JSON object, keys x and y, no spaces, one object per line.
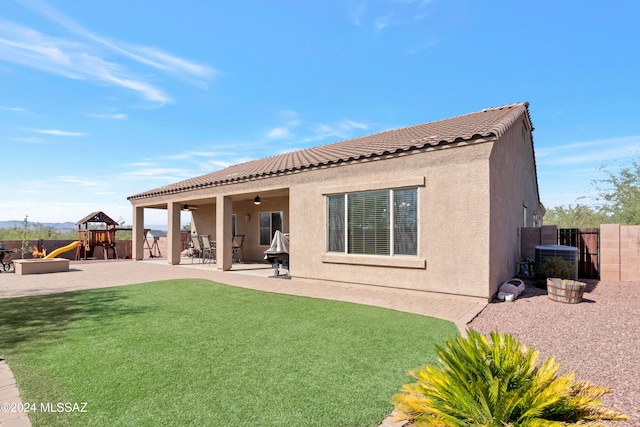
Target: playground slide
{"x":63,"y":249}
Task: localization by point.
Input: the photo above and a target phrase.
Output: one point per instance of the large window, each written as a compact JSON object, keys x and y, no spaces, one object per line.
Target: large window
{"x":269,"y":223}
{"x":381,"y":222}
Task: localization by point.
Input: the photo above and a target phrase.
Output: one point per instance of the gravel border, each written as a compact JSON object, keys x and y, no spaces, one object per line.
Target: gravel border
{"x":598,"y":338}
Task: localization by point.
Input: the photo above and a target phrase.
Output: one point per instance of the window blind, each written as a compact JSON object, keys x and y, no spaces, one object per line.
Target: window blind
{"x":383,"y":222}
{"x":335,"y":225}
{"x":368,"y":223}
{"x":405,"y":226}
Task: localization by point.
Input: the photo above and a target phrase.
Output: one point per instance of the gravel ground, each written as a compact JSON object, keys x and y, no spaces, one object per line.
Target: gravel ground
{"x":598,"y":338}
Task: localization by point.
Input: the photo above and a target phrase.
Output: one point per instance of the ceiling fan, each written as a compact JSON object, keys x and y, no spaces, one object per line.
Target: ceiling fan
{"x":189,"y":208}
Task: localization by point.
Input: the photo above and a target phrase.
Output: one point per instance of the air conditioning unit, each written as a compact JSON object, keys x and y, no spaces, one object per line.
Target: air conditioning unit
{"x":544,"y":252}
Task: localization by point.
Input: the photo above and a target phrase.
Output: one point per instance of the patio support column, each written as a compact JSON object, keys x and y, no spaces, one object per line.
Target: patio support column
{"x":173,"y":234}
{"x":137,"y":244}
{"x":224,"y":212}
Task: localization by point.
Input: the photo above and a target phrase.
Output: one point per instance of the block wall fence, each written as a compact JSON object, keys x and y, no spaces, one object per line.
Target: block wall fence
{"x":620,"y":252}
{"x":123,"y":247}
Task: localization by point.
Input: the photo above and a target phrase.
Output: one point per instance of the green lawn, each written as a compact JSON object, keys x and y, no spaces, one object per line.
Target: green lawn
{"x":195,"y":352}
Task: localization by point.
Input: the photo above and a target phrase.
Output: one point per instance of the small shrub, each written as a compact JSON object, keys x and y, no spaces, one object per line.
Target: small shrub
{"x":559,"y":268}
{"x":498,"y":383}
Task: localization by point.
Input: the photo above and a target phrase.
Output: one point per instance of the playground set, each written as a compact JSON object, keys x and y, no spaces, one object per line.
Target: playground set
{"x":90,"y":237}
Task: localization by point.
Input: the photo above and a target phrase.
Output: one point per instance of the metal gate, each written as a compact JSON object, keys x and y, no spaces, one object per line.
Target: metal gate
{"x":587,"y":240}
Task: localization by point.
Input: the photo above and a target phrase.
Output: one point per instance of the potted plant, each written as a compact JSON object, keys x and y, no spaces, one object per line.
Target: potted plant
{"x":560,"y":275}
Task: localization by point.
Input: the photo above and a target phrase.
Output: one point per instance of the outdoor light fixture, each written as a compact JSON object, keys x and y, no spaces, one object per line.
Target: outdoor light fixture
{"x":257,"y":201}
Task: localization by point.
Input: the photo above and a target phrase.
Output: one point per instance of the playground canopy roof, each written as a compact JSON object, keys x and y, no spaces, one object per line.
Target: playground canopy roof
{"x":97,"y":217}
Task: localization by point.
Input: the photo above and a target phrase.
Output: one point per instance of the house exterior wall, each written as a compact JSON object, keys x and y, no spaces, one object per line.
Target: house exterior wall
{"x":514,"y":201}
{"x":470,"y":196}
{"x":452,"y":201}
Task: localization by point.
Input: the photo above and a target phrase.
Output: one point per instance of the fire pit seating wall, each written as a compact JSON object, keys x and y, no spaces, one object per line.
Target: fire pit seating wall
{"x":40,"y":266}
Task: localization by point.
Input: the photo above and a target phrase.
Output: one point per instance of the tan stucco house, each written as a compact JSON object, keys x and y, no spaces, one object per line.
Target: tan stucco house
{"x":435,"y":207}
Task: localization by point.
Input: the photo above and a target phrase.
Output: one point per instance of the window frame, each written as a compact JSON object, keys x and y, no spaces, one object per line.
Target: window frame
{"x":392,"y":223}
{"x":271,"y":229}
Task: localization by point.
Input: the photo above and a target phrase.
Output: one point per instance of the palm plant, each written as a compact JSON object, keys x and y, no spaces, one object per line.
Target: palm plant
{"x":498,"y":383}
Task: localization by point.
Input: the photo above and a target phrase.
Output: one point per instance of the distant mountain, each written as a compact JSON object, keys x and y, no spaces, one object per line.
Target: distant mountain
{"x":54,"y":225}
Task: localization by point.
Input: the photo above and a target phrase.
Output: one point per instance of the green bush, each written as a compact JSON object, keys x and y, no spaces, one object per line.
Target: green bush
{"x":558,"y":268}
{"x":498,"y":383}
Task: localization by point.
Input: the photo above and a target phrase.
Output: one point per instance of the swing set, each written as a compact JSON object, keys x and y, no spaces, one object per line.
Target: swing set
{"x":92,"y":236}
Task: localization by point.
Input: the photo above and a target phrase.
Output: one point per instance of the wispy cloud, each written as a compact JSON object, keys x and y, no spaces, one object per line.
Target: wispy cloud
{"x":80,"y":181}
{"x":58,"y":132}
{"x":357,"y":13}
{"x":342,"y":129}
{"x":17,"y":109}
{"x":387,"y":13}
{"x":191,"y":154}
{"x":278,"y":133}
{"x":30,"y":140}
{"x":590,"y":152}
{"x":30,"y":48}
{"x":382,"y":22}
{"x":116,"y":116}
{"x":293,"y":134}
{"x":422,"y":46}
{"x":84,"y":57}
{"x":157,"y":173}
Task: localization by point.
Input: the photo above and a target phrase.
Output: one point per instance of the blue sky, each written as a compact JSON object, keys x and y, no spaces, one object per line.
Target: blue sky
{"x":102,"y":100}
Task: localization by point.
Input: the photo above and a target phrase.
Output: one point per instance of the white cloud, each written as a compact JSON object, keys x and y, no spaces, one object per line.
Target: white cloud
{"x":147,"y":90}
{"x":58,"y":132}
{"x":84,"y":58}
{"x":584,"y":152}
{"x":382,"y":22}
{"x":219,"y":164}
{"x":190,"y":154}
{"x":26,"y":47}
{"x":79,"y":181}
{"x":278,"y":133}
{"x":144,"y":54}
{"x":422,"y":46}
{"x":117,"y":116}
{"x":158,"y":174}
{"x":357,"y":13}
{"x":30,"y":140}
{"x":383,"y":14}
{"x":173,"y":65}
{"x":339,"y":130}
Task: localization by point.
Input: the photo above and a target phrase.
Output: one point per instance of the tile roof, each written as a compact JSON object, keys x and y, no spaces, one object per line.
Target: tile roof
{"x":490,"y":122}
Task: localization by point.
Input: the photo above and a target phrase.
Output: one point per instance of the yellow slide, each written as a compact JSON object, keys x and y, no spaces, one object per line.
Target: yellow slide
{"x":63,"y":249}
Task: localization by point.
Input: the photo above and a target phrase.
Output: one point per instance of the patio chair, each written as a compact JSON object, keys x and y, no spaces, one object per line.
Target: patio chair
{"x":196,"y":247}
{"x":237,"y":254}
{"x":208,"y":248}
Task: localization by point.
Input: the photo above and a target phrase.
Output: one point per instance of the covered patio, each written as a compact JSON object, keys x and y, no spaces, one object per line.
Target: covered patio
{"x":252,"y":217}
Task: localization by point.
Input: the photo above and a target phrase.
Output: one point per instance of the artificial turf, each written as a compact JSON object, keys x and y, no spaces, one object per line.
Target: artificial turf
{"x":195,"y":352}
